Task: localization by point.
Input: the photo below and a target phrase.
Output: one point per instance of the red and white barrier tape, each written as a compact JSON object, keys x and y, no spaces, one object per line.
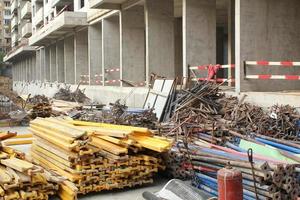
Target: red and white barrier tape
{"x":268,"y":63}
{"x":218,"y":80}
{"x":84,"y":76}
{"x":273,"y":77}
{"x":204,"y":67}
{"x":112,"y":70}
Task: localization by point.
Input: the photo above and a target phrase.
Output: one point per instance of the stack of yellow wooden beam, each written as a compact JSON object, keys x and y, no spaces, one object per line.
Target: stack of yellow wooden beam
{"x":20,"y":179}
{"x":95,"y":156}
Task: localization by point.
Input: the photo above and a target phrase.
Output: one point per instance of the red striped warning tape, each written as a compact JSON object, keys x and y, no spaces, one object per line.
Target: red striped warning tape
{"x":98,"y":75}
{"x":218,"y":80}
{"x":204,"y":67}
{"x":112,"y":70}
{"x":269,"y":63}
{"x":274,"y":77}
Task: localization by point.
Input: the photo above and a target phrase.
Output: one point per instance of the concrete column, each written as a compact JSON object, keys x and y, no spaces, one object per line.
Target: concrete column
{"x":159,"y":17}
{"x":111,"y":48}
{"x":199,"y":33}
{"x":178,"y":46}
{"x":81,"y":55}
{"x":53,"y":73}
{"x":47,"y":63}
{"x":23,"y":71}
{"x":43,"y":66}
{"x":38,"y":64}
{"x":69,"y":60}
{"x":27,"y":70}
{"x":60,"y":61}
{"x":231,"y":37}
{"x":133,"y":45}
{"x":267,"y":30}
{"x":95,"y":53}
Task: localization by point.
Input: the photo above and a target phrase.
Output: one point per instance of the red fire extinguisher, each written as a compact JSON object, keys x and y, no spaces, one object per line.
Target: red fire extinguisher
{"x":230,"y":186}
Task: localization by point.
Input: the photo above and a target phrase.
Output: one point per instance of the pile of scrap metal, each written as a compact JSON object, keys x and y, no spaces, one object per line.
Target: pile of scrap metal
{"x":20,"y":179}
{"x":213,"y":131}
{"x":119,"y":114}
{"x":12,"y":109}
{"x":39,"y":106}
{"x":203,"y":107}
{"x":77,"y":95}
{"x":96,"y":156}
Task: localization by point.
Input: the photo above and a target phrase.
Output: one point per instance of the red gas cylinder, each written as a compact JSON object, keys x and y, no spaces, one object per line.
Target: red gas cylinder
{"x":230,"y":184}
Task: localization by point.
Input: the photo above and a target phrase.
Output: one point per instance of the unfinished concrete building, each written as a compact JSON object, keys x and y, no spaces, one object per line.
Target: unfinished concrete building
{"x":106,"y":44}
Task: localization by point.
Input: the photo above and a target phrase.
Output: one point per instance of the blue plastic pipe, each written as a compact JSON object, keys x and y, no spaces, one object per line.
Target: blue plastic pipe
{"x":278,"y":145}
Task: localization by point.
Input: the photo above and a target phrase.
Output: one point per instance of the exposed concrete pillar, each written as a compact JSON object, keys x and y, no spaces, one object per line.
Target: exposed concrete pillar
{"x":267,"y":30}
{"x":38,"y":64}
{"x":53,"y":74}
{"x":27,"y":70}
{"x":81,"y":56}
{"x":178,"y":47}
{"x":43,"y":65}
{"x":199,"y":33}
{"x":60,"y":71}
{"x":111,"y":48}
{"x":231,"y":37}
{"x":33,"y":68}
{"x":133,"y":45}
{"x":47,"y":63}
{"x":159,"y":17}
{"x":95,"y":53}
{"x":69,"y":65}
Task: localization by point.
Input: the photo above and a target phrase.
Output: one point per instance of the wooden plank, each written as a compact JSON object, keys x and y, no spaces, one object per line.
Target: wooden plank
{"x":59,"y":128}
{"x":17,"y":164}
{"x":108,"y":146}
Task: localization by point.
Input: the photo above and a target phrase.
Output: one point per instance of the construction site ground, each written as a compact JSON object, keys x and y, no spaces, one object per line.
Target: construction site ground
{"x":125,"y":194}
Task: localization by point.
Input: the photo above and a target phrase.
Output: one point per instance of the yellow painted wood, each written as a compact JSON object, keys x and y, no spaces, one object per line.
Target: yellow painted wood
{"x":67,"y":155}
{"x":111,"y":126}
{"x":51,"y":155}
{"x":27,"y":135}
{"x":52,"y":133}
{"x":49,"y":165}
{"x":56,"y":127}
{"x":54,"y":140}
{"x":17,"y":164}
{"x":16,"y":142}
{"x":107,"y":131}
{"x":108,"y":146}
{"x":5,"y":177}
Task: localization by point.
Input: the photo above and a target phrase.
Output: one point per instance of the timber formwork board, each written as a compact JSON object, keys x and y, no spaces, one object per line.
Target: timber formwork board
{"x":91,"y":161}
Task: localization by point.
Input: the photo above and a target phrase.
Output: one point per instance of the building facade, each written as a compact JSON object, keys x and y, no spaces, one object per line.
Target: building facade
{"x":5,"y":36}
{"x":105,"y":44}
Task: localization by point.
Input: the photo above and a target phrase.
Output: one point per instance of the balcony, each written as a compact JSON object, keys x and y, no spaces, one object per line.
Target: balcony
{"x":26,"y":11}
{"x":27,"y":30}
{"x":7,"y":34}
{"x":55,"y":3}
{"x":14,"y":37}
{"x":107,"y":4}
{"x":38,"y":18}
{"x":14,"y":6}
{"x":62,"y":24}
{"x":14,"y":22}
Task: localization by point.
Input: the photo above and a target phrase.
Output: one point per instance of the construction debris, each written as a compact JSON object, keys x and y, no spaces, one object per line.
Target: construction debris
{"x":20,"y":179}
{"x":119,"y":114}
{"x":78,"y":95}
{"x":214,"y":131}
{"x":95,"y":156}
